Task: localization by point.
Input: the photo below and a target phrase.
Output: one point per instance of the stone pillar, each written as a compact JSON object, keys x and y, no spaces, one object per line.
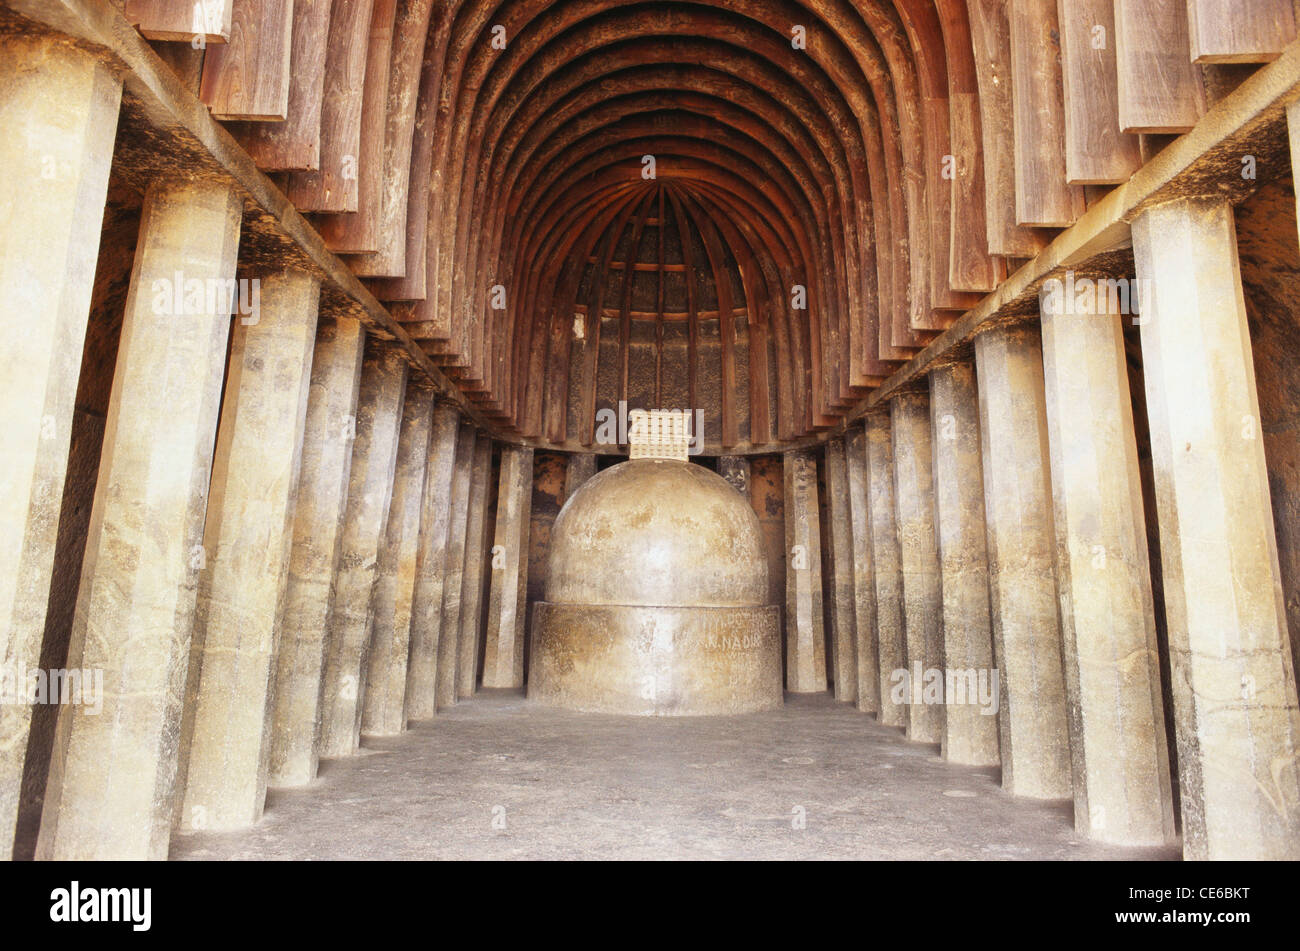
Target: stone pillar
{"x":844,"y":662}
{"x":365,"y":520}
{"x":1238,"y":728}
{"x":580,"y":468}
{"x":735,"y":469}
{"x":805,"y":637}
{"x":454,"y":574}
{"x":887,"y":565}
{"x":1033,"y":734}
{"x":1121,"y":781}
{"x":970,"y":733}
{"x":919,"y":549}
{"x":111,"y":787}
{"x":58,"y":107}
{"x":476,"y":554}
{"x":864,"y":578}
{"x":384,"y":704}
{"x":503,"y":658}
{"x":328,"y":435}
{"x":426,"y":603}
{"x":246,"y":545}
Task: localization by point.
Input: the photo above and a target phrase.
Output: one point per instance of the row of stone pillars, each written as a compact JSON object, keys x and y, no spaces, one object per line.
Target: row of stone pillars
{"x":993,"y":520}
{"x":289,"y":531}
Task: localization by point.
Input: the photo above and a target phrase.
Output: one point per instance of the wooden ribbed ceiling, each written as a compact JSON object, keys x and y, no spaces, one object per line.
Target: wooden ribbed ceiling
{"x":890,"y":158}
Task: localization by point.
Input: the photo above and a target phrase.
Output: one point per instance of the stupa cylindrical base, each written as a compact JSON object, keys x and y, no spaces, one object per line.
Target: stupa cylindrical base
{"x":656,"y":661}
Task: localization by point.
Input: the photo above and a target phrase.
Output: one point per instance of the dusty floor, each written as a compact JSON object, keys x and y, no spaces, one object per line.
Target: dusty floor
{"x":498,"y":778}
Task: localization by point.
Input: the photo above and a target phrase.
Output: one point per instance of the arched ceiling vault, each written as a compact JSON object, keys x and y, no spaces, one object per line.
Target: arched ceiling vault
{"x":799,"y":146}
{"x":821,"y":165}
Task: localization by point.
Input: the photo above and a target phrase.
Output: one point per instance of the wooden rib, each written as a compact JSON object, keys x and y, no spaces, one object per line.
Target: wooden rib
{"x":1043,"y":199}
{"x":1160,"y":89}
{"x":591,"y":343}
{"x":1240,"y":31}
{"x":925,"y":33}
{"x":692,"y":327}
{"x":559,"y":340}
{"x":991,"y":38}
{"x":726,"y":318}
{"x":659,"y":309}
{"x":407,"y":67}
{"x":248,"y":77}
{"x":184,"y":21}
{"x":294,"y":145}
{"x":758,"y":277}
{"x":333,"y":187}
{"x":625,"y":306}
{"x":1096,"y":151}
{"x":970,"y":266}
{"x":359,"y":233}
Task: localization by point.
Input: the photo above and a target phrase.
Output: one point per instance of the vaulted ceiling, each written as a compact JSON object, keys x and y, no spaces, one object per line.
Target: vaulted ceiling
{"x":757,"y":208}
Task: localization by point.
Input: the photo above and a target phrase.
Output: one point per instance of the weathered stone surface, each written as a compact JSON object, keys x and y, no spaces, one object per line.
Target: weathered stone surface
{"x":1033,"y":732}
{"x":864,"y":578}
{"x":579,"y":468}
{"x":887,"y":562}
{"x":1237,"y":722}
{"x":384,"y":705}
{"x":656,"y":661}
{"x":454,"y":570}
{"x":246,"y":541}
{"x":970,"y":732}
{"x":326,"y":468}
{"x":503,"y":657}
{"x":426,"y":602}
{"x":918,"y":547}
{"x":805,"y":640}
{"x":58,"y":107}
{"x":476,"y":557}
{"x":111,"y":788}
{"x":370,"y":493}
{"x":1121,"y":781}
{"x":653,"y":609}
{"x":735,"y":469}
{"x":843,"y":639}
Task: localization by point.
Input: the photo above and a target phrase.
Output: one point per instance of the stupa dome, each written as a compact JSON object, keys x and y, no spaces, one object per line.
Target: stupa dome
{"x":657,"y":532}
{"x":655,"y":598}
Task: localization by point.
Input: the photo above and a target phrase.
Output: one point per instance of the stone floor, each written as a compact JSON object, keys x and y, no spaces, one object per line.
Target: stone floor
{"x":498,"y":778}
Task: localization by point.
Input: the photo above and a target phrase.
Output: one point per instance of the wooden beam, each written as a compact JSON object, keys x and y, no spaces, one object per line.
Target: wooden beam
{"x":410,"y":31}
{"x":209,"y":20}
{"x":248,"y":78}
{"x":970,"y":266}
{"x":294,"y":145}
{"x":591,"y":341}
{"x":359,"y":232}
{"x":991,"y":38}
{"x":333,"y":185}
{"x":1043,"y":199}
{"x":1159,"y":88}
{"x":692,"y":297}
{"x":1240,"y":31}
{"x":1096,"y":151}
